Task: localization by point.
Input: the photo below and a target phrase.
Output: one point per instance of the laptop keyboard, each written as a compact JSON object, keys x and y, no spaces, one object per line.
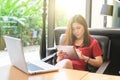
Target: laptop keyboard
{"x":33,"y":67}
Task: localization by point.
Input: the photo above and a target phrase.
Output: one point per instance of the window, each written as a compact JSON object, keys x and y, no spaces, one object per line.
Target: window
{"x":97,"y":19}
{"x":67,"y":8}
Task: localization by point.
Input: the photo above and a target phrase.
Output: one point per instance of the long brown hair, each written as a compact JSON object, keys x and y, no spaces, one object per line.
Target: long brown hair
{"x":69,"y":38}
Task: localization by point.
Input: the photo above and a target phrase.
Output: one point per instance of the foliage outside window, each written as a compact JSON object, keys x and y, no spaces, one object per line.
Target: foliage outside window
{"x":21,"y":18}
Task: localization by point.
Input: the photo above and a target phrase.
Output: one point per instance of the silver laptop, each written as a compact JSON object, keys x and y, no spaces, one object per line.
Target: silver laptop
{"x":16,"y":54}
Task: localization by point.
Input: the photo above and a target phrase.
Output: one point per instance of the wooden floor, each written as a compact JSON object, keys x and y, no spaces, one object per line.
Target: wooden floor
{"x":30,"y":52}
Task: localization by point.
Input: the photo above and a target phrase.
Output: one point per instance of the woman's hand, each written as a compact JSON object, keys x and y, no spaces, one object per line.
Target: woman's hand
{"x":61,"y":55}
{"x":97,"y":61}
{"x":81,"y":56}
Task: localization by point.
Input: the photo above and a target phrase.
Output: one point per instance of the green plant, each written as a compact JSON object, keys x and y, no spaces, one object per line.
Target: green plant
{"x":32,"y":24}
{"x":27,"y":14}
{"x":20,"y":8}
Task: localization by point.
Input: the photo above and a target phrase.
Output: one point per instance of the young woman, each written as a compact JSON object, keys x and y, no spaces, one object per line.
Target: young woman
{"x":87,"y":47}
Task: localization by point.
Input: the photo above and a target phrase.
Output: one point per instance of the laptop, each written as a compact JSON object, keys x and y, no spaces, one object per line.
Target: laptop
{"x":16,"y":54}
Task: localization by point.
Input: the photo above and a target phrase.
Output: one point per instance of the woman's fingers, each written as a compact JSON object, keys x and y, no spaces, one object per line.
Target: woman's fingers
{"x":62,"y":54}
{"x":79,"y":53}
{"x":59,"y":53}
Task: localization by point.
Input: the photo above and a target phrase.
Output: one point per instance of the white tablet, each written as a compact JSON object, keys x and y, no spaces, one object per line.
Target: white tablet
{"x":69,"y":50}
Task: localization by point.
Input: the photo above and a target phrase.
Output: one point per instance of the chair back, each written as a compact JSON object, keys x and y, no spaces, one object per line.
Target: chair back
{"x":104,"y":43}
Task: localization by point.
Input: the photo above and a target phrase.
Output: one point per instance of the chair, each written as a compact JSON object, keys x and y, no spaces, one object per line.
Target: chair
{"x":104,"y":44}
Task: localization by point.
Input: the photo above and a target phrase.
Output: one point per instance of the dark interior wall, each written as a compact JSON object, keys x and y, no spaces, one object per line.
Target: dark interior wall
{"x":115,"y":49}
{"x":114,"y":66}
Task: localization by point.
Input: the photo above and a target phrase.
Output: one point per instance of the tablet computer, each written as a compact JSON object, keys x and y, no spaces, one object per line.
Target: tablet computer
{"x":69,"y":50}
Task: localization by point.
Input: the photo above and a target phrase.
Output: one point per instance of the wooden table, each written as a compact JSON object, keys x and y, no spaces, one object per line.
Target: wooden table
{"x":96,"y":76}
{"x":9,"y":72}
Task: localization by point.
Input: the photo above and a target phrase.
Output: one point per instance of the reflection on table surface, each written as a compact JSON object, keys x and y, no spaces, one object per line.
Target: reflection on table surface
{"x":12,"y":73}
{"x":96,"y":76}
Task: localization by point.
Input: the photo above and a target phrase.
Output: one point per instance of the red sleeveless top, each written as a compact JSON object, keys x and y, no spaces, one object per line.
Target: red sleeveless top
{"x":92,"y":51}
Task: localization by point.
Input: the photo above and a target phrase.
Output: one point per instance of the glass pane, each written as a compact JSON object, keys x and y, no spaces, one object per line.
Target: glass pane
{"x":97,"y":19}
{"x":22,"y":19}
{"x":109,"y":18}
{"x":67,"y":8}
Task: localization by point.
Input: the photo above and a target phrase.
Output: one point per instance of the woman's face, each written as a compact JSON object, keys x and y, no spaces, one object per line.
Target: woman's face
{"x":78,"y":30}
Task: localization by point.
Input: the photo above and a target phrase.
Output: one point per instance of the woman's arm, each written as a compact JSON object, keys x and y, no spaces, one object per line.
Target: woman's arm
{"x":97,"y":62}
{"x":97,"y":54}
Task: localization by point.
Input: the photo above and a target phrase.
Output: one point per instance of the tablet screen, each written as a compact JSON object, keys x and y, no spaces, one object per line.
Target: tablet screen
{"x":69,"y":50}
